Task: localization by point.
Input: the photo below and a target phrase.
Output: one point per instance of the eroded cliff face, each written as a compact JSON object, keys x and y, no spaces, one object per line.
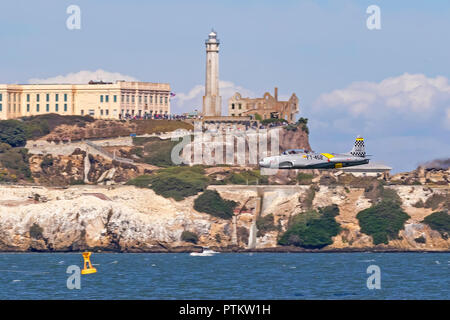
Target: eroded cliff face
{"x":129,"y":219}
{"x":80,"y":168}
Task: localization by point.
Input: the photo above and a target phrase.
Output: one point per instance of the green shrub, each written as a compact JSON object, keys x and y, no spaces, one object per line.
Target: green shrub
{"x":251,"y":177}
{"x":74,"y":181}
{"x":303,"y":123}
{"x":265,"y":224}
{"x":436,"y":200}
{"x":439,"y":221}
{"x":13,"y":133}
{"x":189,"y":236}
{"x":141,"y":181}
{"x":36,"y":231}
{"x":212,"y":203}
{"x":179,"y":182}
{"x":47,"y":161}
{"x":382,"y":221}
{"x":15,"y":161}
{"x":272,"y":120}
{"x":313,"y":229}
{"x":138,"y":151}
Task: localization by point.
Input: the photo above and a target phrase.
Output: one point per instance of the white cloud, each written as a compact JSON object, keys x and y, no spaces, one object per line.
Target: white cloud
{"x":185,"y":102}
{"x":405,"y":119}
{"x":407,"y":95}
{"x":84,"y":76}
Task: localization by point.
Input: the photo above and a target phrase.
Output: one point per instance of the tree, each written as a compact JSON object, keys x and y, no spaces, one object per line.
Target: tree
{"x":13,"y":133}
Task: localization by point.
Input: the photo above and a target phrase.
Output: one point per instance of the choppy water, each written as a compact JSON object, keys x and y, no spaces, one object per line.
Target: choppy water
{"x":227,"y":276}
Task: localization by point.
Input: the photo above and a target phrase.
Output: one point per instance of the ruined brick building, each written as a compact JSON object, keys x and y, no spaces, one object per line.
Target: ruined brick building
{"x":267,"y":107}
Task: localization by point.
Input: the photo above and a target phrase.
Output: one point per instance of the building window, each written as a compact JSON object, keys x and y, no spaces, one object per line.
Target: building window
{"x":145,"y":99}
{"x":37,"y":97}
{"x":106,"y":98}
{"x":140,"y":99}
{"x":101,"y":98}
{"x":101,"y":112}
{"x":28,"y":107}
{"x":115,"y":98}
{"x":56,"y":107}
{"x":1,"y":96}
{"x":160,"y":99}
{"x":122,"y":98}
{"x":65,"y":97}
{"x":37,"y":107}
{"x":240,"y":106}
{"x":107,"y":112}
{"x":91,"y":112}
{"x":47,"y":97}
{"x":65,"y":107}
{"x":151,"y":99}
{"x":28,"y":97}
{"x":1,"y":107}
{"x":47,"y":107}
{"x":56,"y":96}
{"x":128,"y":98}
{"x":132,"y":98}
{"x":232,"y":106}
{"x":165,"y":100}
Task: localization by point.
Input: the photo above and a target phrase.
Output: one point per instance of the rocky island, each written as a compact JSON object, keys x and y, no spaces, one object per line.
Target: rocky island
{"x":119,"y":194}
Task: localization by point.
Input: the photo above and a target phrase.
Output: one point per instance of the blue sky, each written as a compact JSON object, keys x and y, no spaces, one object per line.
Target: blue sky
{"x":390,"y":85}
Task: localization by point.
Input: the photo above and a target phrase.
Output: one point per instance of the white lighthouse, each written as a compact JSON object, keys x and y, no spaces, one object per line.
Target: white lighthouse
{"x":212,"y":101}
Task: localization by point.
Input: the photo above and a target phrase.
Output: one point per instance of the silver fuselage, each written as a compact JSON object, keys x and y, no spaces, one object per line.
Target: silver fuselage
{"x":312,"y":160}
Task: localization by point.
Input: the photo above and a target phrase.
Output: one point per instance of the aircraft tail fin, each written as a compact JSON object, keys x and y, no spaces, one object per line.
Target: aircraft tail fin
{"x":358,"y":149}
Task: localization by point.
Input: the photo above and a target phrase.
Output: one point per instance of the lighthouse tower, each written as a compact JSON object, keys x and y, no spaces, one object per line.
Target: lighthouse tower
{"x":212,"y":102}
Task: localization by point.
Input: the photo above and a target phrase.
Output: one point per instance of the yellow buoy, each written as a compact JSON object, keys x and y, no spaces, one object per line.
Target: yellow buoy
{"x":88,"y":268}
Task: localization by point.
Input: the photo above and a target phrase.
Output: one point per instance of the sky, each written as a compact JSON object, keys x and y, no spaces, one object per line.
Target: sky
{"x":389,"y":85}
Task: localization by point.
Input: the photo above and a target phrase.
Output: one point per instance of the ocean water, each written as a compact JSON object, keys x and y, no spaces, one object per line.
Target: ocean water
{"x":227,"y":276}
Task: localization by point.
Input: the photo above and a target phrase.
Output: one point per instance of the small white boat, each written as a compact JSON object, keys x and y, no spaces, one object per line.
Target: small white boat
{"x":206,"y":253}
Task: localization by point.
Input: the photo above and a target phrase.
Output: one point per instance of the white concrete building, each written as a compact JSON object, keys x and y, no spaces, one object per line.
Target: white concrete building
{"x":104,"y":100}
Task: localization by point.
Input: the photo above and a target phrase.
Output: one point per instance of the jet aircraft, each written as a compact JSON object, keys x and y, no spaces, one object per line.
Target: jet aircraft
{"x":303,"y":159}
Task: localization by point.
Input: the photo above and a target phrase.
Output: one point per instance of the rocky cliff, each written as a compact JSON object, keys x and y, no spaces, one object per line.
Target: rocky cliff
{"x":137,"y":220}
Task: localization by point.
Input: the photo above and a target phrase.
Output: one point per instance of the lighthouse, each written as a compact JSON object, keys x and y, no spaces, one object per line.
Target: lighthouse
{"x":212,"y":101}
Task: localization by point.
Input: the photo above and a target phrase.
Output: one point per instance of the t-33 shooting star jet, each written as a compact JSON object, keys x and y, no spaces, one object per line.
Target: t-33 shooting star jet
{"x":302,"y":159}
